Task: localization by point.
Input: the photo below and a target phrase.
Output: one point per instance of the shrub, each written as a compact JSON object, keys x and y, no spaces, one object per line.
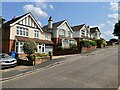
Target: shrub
{"x":87,"y":43}
{"x":101,"y":42}
{"x":41,"y":54}
{"x":29,"y":47}
{"x":59,"y":48}
{"x":73,"y":46}
{"x":93,"y":43}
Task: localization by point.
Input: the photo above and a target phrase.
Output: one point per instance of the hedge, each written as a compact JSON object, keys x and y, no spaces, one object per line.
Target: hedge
{"x":87,"y":43}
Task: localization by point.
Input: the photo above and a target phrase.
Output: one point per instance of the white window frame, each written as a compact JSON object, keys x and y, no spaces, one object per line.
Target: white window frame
{"x":39,"y":50}
{"x":19,"y":47}
{"x":36,"y":33}
{"x":20,"y":31}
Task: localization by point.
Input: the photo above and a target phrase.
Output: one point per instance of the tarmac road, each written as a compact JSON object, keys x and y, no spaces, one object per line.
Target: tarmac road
{"x":98,"y":69}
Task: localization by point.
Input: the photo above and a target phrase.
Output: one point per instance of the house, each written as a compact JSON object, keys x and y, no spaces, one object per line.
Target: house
{"x":81,"y":32}
{"x":61,"y":33}
{"x":95,"y":32}
{"x":23,"y":28}
{"x":85,"y":32}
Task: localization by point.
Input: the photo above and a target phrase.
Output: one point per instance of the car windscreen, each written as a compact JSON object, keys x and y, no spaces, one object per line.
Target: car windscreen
{"x":3,"y":55}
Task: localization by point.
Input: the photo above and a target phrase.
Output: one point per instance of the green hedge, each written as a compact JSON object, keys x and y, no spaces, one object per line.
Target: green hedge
{"x":41,"y":55}
{"x":101,"y":43}
{"x":87,"y":43}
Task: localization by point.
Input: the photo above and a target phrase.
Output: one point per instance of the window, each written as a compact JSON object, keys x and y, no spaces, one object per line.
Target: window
{"x":69,"y":34}
{"x":47,"y":36}
{"x":62,"y":32}
{"x":22,"y":31}
{"x":41,"y":48}
{"x":83,"y":32}
{"x":19,"y":47}
{"x":36,"y":33}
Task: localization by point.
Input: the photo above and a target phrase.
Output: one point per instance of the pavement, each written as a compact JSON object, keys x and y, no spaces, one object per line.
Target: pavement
{"x":97,"y":69}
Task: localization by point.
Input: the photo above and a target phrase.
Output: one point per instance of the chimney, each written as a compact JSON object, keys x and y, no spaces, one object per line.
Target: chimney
{"x":50,"y":23}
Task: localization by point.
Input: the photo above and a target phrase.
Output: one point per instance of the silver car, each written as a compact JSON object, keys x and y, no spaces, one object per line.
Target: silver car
{"x":7,"y":61}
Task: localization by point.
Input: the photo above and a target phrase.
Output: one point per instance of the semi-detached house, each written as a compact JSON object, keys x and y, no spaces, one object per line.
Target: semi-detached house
{"x":23,"y":28}
{"x":62,"y":33}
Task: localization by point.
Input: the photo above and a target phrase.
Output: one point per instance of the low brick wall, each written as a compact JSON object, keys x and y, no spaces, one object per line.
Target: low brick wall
{"x":42,"y":60}
{"x":66,"y":52}
{"x":37,"y":61}
{"x":85,"y":49}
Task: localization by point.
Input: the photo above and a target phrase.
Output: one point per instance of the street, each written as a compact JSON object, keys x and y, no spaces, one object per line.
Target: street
{"x":98,"y":69}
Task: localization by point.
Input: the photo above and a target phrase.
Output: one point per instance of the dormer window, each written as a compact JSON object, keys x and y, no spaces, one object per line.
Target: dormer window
{"x":36,"y":33}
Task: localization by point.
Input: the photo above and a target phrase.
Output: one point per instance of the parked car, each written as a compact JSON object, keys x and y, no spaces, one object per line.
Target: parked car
{"x":7,"y":61}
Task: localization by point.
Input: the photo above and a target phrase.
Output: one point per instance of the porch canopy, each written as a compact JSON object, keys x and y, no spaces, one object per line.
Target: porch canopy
{"x":41,"y":41}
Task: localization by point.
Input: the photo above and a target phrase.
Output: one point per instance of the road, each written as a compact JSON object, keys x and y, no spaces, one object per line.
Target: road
{"x":96,"y":70}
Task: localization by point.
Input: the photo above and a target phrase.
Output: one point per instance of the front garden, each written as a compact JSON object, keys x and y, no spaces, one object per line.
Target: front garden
{"x":87,"y":45}
{"x":32,"y":58}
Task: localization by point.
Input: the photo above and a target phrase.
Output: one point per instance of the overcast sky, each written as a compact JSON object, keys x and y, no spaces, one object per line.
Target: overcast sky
{"x":101,"y":14}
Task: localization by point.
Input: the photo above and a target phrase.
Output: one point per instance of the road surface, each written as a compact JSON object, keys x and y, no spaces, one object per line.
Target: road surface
{"x":98,"y":69}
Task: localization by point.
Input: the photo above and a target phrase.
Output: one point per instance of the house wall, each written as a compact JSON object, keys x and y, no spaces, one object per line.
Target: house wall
{"x":67,"y":30}
{"x":76,"y":34}
{"x":83,"y":28}
{"x":13,"y":31}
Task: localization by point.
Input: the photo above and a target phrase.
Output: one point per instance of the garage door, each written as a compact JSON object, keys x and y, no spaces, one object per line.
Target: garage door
{"x":48,"y":48}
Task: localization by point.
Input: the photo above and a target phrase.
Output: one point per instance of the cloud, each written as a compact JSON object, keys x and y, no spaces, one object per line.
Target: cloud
{"x":39,"y":23}
{"x":37,"y":11}
{"x":114,"y":6}
{"x":107,"y":27}
{"x":42,"y":5}
{"x":113,"y":16}
{"x":51,"y":6}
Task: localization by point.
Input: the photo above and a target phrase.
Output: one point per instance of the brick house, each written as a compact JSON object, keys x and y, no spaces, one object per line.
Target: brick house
{"x":61,"y":33}
{"x":23,"y":28}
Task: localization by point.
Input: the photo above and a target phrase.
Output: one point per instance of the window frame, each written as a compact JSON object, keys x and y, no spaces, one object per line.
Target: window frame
{"x":22,"y":31}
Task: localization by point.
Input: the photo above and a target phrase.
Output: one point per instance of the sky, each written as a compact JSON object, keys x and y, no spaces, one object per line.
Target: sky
{"x":101,"y":14}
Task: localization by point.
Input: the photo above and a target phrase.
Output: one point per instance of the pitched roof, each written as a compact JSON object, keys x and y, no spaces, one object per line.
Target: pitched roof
{"x":78,"y":27}
{"x":19,"y":38}
{"x":93,"y":29}
{"x":56,"y":24}
{"x":14,"y":20}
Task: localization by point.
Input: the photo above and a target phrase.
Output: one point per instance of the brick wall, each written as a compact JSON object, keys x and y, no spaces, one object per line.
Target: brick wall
{"x":5,"y":39}
{"x":85,"y":49}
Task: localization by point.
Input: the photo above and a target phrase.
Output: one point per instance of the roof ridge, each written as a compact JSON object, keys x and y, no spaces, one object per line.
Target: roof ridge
{"x":78,"y":25}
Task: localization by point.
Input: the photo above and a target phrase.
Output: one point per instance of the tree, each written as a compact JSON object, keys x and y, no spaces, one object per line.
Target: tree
{"x":117,"y":29}
{"x":29,"y":47}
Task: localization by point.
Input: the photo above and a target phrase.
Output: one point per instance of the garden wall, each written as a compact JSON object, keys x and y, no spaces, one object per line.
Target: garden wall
{"x":66,"y":52}
{"x":85,"y":49}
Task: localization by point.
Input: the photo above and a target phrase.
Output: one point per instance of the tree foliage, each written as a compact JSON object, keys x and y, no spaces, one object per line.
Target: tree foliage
{"x":117,"y":29}
{"x":29,"y":47}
